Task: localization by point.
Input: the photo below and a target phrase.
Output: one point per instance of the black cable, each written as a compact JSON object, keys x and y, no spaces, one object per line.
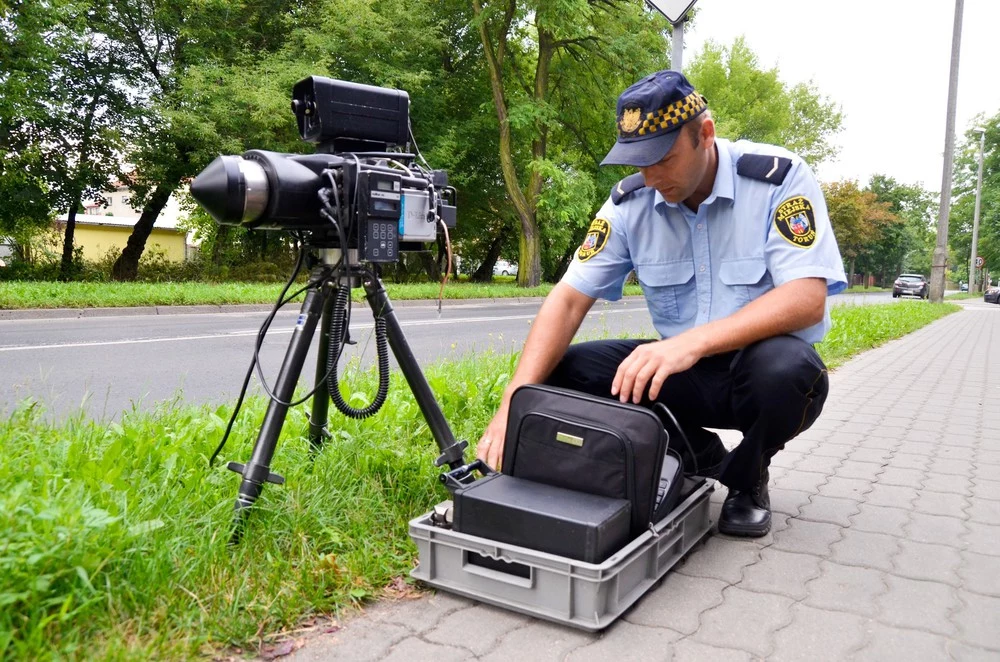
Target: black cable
{"x":260,"y":335}
{"x":684,"y":438}
{"x":339,"y":332}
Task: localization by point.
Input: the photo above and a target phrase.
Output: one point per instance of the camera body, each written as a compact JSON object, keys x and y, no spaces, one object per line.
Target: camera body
{"x":353,"y":191}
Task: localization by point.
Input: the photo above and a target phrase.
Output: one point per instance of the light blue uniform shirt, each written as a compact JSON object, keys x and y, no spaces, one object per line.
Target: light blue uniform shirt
{"x":748,"y":237}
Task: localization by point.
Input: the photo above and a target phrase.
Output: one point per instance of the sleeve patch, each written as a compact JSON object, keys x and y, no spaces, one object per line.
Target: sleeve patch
{"x":596,"y":239}
{"x":770,"y":169}
{"x":795,"y":222}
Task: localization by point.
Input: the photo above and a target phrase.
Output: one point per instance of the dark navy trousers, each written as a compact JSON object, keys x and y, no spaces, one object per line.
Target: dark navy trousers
{"x":771,"y":391}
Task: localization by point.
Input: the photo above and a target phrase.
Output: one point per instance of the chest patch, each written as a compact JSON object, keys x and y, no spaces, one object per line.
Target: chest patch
{"x":596,"y":239}
{"x":795,"y":222}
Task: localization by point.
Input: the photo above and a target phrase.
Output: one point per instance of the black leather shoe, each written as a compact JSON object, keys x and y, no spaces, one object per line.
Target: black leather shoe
{"x":747,"y":513}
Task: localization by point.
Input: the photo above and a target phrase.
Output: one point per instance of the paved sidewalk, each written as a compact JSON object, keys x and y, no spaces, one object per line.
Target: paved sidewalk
{"x":886,"y":540}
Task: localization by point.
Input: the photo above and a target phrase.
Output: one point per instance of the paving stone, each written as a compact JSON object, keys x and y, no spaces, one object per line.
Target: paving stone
{"x":909,"y":461}
{"x":918,"y":434}
{"x":982,"y":538}
{"x":823,"y":464}
{"x":721,"y":558}
{"x":964,"y":653}
{"x":678,"y":602}
{"x":419,"y":615}
{"x":538,"y":641}
{"x":894,"y":496}
{"x":861,"y":470}
{"x":828,"y":509}
{"x":845,"y":488}
{"x":918,"y":560}
{"x":983,"y":488}
{"x":780,"y":572}
{"x":869,"y":454}
{"x":745,"y":620}
{"x":920,"y":605}
{"x":888,"y":643}
{"x":803,"y":481}
{"x":957,"y":453}
{"x":892,"y":431}
{"x":817,"y":635}
{"x":837,"y":450}
{"x":868,"y":550}
{"x":980,"y":573}
{"x":979,"y":620}
{"x":940,"y":503}
{"x":899,"y":476}
{"x":987,"y":457}
{"x":880,"y":519}
{"x":949,"y":484}
{"x":958,"y":467}
{"x":488,"y":623}
{"x":896,"y":421}
{"x":360,"y":640}
{"x":985,"y":511}
{"x":846,"y":588}
{"x":874,"y":442}
{"x":413,"y":649}
{"x":688,"y":650}
{"x":924,"y":448}
{"x":625,"y":641}
{"x":787,"y":501}
{"x":806,"y":537}
{"x":937,"y":529}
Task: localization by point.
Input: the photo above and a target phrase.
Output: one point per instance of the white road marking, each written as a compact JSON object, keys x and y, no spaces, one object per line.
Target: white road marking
{"x":272,"y":331}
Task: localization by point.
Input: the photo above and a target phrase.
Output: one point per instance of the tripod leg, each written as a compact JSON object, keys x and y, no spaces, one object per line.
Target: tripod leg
{"x":318,"y":433}
{"x":258,"y":470}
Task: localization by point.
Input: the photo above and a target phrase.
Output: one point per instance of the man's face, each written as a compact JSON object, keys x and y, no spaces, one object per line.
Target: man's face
{"x":678,"y":175}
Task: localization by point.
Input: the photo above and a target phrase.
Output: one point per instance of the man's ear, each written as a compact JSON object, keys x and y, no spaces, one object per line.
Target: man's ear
{"x":707,"y":132}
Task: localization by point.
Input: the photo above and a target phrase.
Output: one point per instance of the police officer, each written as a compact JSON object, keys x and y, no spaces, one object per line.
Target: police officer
{"x":733,"y":248}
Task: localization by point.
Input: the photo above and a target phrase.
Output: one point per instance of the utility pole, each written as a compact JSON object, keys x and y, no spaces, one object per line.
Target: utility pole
{"x":675,"y":11}
{"x":940,"y":259}
{"x":975,"y":216}
{"x":677,"y":46}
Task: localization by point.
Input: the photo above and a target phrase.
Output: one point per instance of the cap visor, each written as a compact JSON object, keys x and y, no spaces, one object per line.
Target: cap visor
{"x":641,"y":153}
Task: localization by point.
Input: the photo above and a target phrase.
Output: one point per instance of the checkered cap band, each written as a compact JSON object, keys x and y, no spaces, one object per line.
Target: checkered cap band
{"x":670,"y":117}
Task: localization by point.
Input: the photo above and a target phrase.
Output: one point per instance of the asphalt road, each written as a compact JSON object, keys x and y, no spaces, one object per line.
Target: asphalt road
{"x":106,"y":365}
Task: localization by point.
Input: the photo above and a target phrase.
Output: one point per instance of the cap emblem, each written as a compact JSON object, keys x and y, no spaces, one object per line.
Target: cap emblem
{"x":631,"y":118}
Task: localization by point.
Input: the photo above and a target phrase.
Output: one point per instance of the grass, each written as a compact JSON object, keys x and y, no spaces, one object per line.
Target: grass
{"x":19,"y":294}
{"x":955,"y":296}
{"x":114,"y":536}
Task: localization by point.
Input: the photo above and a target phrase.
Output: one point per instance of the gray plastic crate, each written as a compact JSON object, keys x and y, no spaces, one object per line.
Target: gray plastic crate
{"x":584,"y":595}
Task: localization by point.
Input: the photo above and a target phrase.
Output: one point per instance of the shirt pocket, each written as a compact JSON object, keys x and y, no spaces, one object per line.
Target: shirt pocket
{"x":670,"y":290}
{"x":746,"y":278}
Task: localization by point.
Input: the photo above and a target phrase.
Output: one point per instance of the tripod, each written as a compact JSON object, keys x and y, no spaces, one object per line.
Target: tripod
{"x":329,"y":286}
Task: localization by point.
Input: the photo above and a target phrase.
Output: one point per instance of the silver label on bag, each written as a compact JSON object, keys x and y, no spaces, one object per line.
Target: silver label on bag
{"x":569,"y":439}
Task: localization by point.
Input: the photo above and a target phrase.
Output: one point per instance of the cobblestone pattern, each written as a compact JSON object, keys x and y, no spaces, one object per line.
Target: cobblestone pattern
{"x":886,"y":540}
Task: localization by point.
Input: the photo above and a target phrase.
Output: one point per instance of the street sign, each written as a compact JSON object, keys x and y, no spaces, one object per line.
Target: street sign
{"x":673,"y":10}
{"x":980,"y":262}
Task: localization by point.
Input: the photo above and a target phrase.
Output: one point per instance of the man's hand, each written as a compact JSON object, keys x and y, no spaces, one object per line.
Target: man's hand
{"x":651,"y":363}
{"x":490,"y":448}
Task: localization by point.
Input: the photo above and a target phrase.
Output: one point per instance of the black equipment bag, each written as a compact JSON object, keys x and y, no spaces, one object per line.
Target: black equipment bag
{"x":596,"y":445}
{"x":585,"y":527}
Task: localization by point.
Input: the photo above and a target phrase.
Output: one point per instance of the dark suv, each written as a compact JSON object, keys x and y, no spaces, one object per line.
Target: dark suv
{"x":911,"y":284}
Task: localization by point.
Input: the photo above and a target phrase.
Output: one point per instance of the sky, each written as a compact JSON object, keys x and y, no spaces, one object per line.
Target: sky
{"x":886,"y":62}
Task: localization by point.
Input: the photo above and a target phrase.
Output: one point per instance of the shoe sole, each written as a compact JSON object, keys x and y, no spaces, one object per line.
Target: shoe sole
{"x":744,"y":531}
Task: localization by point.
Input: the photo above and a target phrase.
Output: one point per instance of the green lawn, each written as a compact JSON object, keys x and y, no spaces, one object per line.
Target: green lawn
{"x":115,"y":535}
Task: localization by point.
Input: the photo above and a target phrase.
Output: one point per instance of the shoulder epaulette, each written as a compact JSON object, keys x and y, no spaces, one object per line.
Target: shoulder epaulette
{"x":766,"y":168}
{"x":626,"y":186}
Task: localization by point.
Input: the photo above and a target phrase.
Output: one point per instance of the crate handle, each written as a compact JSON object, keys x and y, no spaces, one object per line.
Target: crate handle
{"x":498,"y":575}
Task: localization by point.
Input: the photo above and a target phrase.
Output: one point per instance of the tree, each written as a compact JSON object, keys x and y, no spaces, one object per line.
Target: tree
{"x":964,"y":193}
{"x":751,"y":103}
{"x":543,"y":59}
{"x":906,"y":246}
{"x":859,"y":220}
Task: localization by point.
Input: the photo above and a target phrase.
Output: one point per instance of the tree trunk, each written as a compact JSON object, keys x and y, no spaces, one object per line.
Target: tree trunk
{"x":850,"y":276}
{"x":430,"y":266}
{"x":484,"y":273}
{"x":126,"y":267}
{"x":66,"y":264}
{"x":222,"y":233}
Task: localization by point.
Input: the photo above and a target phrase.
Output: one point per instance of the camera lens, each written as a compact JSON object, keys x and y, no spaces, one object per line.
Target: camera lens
{"x":232,"y":189}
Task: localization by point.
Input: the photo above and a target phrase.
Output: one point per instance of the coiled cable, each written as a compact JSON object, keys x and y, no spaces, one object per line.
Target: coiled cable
{"x":338,"y":337}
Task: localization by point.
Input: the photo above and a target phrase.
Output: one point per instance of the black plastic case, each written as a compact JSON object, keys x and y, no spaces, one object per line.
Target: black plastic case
{"x":580,"y":526}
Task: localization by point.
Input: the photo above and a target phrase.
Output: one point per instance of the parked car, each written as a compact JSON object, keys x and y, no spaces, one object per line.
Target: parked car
{"x":963,"y":287}
{"x":912,"y":285}
{"x":505,"y":268}
{"x":992,"y":294}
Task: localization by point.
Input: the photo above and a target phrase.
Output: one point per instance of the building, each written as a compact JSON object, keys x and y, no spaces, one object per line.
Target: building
{"x":107,"y":223}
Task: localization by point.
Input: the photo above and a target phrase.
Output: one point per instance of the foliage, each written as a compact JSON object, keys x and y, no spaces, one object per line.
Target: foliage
{"x":904,"y":247}
{"x":964,"y":197}
{"x":751,"y":103}
{"x":859,"y":219}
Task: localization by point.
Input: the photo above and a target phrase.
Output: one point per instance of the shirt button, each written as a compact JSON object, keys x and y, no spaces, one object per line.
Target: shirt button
{"x":699,"y":226}
{"x":701,"y":268}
